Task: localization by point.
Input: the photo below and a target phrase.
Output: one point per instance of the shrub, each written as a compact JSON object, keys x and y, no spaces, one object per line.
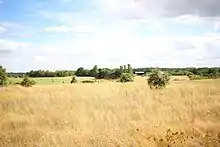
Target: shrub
{"x":73,"y":80}
{"x":158,"y":79}
{"x":197,"y":77}
{"x":3,"y":76}
{"x":126,"y":77}
{"x":189,"y":74}
{"x":88,"y":81}
{"x":26,"y":82}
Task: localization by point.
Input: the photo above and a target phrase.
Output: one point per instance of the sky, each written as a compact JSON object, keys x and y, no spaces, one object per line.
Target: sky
{"x":67,"y":34}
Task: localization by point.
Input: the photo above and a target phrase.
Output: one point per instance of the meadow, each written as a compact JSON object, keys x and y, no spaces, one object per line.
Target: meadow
{"x":186,"y":113}
{"x":49,"y":80}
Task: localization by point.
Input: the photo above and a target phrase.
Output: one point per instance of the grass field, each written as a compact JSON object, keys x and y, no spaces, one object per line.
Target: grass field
{"x":186,"y":113}
{"x":49,"y":81}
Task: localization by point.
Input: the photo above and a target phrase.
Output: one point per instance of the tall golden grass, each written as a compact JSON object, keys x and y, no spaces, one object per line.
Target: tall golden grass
{"x":186,"y":113}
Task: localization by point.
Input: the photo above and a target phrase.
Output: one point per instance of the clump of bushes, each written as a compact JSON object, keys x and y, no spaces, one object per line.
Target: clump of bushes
{"x":191,"y":76}
{"x":74,"y":80}
{"x":196,"y":77}
{"x":88,"y":81}
{"x":126,"y":77}
{"x":26,"y":82}
{"x":158,"y":79}
{"x":3,"y":77}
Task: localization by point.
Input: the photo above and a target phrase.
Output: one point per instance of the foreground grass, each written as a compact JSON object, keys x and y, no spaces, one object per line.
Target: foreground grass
{"x":187,"y":113}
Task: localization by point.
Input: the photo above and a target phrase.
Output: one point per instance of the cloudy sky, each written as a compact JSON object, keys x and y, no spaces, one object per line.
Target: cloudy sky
{"x":67,"y":34}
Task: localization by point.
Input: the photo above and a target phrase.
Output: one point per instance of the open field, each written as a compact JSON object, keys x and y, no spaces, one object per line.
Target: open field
{"x":186,"y":113}
{"x":49,"y":81}
{"x":66,"y":80}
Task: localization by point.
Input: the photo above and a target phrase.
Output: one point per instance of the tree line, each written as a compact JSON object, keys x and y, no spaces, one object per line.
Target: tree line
{"x":47,"y":73}
{"x":202,"y":71}
{"x":104,"y":73}
{"x":115,"y":73}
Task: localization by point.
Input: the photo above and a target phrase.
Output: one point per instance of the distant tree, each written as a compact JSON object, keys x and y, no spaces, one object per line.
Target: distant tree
{"x":105,"y":73}
{"x":158,"y":79}
{"x":3,"y":76}
{"x":130,"y":70}
{"x":195,"y":71}
{"x":74,"y":80}
{"x":94,"y":72}
{"x":47,"y":73}
{"x":116,"y":74}
{"x":125,"y":69}
{"x":121,"y":69}
{"x":189,"y":74}
{"x":100,"y":76}
{"x":213,"y":73}
{"x":126,"y":77}
{"x":82,"y":72}
{"x":26,"y":82}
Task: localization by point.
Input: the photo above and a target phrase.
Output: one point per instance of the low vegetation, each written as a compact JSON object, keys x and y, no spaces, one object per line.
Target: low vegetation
{"x":74,"y":80}
{"x":111,"y":114}
{"x":126,"y":77}
{"x":88,"y":81}
{"x":185,"y":113}
{"x":27,"y":82}
{"x":3,"y":76}
{"x":158,"y":79}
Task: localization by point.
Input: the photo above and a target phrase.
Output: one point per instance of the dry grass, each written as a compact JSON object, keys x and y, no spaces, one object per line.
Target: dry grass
{"x":179,"y":78}
{"x":187,"y":113}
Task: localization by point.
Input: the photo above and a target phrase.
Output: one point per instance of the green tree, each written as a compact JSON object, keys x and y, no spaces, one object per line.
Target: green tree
{"x":125,"y":69}
{"x":213,"y":73}
{"x":26,"y":82}
{"x":158,"y":79}
{"x":94,"y":72}
{"x":3,"y":76}
{"x":121,"y":69}
{"x":82,"y":72}
{"x":104,"y":73}
{"x":189,"y":74}
{"x":130,"y":70}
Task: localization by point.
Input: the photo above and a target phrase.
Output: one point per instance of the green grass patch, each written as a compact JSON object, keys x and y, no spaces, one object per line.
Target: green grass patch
{"x":43,"y":81}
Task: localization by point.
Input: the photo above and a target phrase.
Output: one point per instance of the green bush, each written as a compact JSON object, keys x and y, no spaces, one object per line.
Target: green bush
{"x":197,"y":77}
{"x":158,"y":79}
{"x":26,"y":82}
{"x":88,"y":81}
{"x":126,"y":77}
{"x":73,"y":80}
{"x":3,"y":76}
{"x":189,"y":74}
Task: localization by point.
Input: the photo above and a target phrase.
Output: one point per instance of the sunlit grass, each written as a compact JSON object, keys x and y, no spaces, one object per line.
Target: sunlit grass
{"x":111,"y":114}
{"x":48,"y":80}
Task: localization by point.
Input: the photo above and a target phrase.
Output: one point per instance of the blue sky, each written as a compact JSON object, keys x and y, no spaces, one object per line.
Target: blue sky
{"x":67,"y":34}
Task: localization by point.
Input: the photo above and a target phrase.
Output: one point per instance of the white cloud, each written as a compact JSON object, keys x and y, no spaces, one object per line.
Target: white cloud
{"x":160,"y":8}
{"x":137,"y":37}
{"x":39,"y":58}
{"x":217,"y":26}
{"x":131,"y":9}
{"x":69,"y":29}
{"x":66,"y":18}
{"x":187,"y":19}
{"x":111,"y":48}
{"x":184,"y":12}
{"x":2,"y":29}
{"x":8,"y":46}
{"x":115,"y":47}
